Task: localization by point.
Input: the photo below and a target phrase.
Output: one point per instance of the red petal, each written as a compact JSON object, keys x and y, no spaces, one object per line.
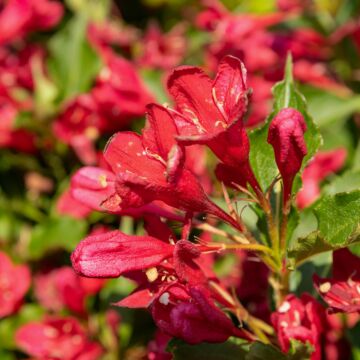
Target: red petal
{"x":230,"y":90}
{"x":346,"y":265}
{"x":140,"y":298}
{"x":192,"y":90}
{"x":125,"y":153}
{"x":159,"y":134}
{"x":92,"y":186}
{"x":113,"y":253}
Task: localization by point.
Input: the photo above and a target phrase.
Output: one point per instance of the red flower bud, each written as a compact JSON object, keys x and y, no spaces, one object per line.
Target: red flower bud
{"x":286,"y":135}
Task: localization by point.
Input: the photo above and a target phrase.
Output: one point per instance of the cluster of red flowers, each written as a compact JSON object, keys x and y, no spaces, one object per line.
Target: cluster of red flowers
{"x":166,"y":177}
{"x":173,"y":276}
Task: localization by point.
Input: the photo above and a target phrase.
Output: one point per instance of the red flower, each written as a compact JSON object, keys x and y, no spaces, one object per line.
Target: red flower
{"x":63,"y":288}
{"x":342,"y":291}
{"x":317,"y":74}
{"x":14,"y":283}
{"x":190,"y":314}
{"x":162,"y":51}
{"x":80,"y":125}
{"x":151,"y":167}
{"x":210,"y":112}
{"x":57,"y":338}
{"x":22,"y":16}
{"x":119,"y":91}
{"x":94,"y":188}
{"x":322,"y":165}
{"x":299,"y":319}
{"x":103,"y":35}
{"x":241,"y":35}
{"x":286,"y":135}
{"x":10,"y":137}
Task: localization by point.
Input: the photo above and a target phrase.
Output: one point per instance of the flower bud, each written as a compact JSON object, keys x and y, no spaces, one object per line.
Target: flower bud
{"x":286,"y":135}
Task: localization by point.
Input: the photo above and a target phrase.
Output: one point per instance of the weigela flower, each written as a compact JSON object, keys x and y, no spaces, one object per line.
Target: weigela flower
{"x":104,"y":35}
{"x":10,"y":137}
{"x":79,"y":125}
{"x":14,"y":283}
{"x":242,"y":35}
{"x":299,"y":319}
{"x":321,"y":166}
{"x":162,"y":51}
{"x":57,"y":338}
{"x":190,"y":314}
{"x":20,"y":17}
{"x":210,"y":112}
{"x":286,"y":135}
{"x":119,"y":91}
{"x":317,"y":74}
{"x":151,"y":167}
{"x":342,"y":291}
{"x":61,"y":288}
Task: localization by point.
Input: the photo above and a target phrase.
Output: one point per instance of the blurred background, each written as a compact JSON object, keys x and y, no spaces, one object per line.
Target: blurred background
{"x":74,"y":72}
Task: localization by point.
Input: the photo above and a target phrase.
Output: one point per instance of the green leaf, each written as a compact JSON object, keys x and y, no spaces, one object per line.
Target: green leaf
{"x":356,"y":160}
{"x":260,"y":351}
{"x":261,"y":154}
{"x":54,"y":233}
{"x":73,"y":64}
{"x":338,"y":216}
{"x":299,"y":350}
{"x":306,"y":247}
{"x":338,"y":219}
{"x":292,"y":223}
{"x":228,"y":350}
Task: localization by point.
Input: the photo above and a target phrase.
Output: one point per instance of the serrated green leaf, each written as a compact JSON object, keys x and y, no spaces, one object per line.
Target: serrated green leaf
{"x":306,"y":247}
{"x":338,"y":216}
{"x":338,"y":219}
{"x":64,"y":233}
{"x":73,"y":63}
{"x":261,"y":153}
{"x":228,"y":350}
